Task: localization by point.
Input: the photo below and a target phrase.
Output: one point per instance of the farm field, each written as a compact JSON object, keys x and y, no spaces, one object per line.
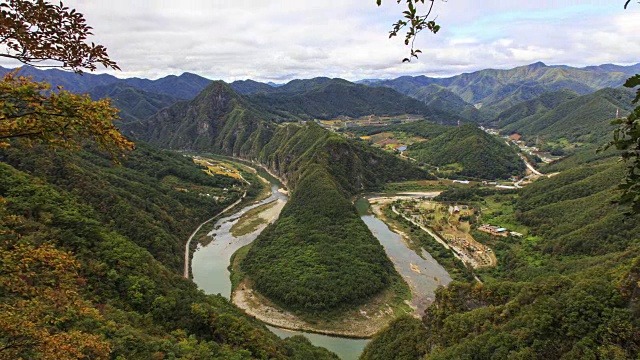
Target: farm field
{"x":454,"y":223}
{"x":217,"y":167}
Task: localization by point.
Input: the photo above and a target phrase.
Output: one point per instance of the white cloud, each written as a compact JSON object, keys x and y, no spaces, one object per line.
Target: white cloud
{"x":284,"y":39}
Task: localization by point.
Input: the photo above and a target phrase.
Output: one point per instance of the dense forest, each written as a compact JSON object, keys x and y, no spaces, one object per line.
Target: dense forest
{"x":323,"y":98}
{"x":92,"y":252}
{"x":422,"y":128}
{"x":470,"y":152}
{"x":319,"y":255}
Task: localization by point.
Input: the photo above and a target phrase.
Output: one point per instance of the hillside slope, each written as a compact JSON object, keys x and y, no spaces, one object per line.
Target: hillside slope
{"x":95,"y":253}
{"x":325,"y":98}
{"x":134,"y":104}
{"x":474,"y":152}
{"x":579,"y":119}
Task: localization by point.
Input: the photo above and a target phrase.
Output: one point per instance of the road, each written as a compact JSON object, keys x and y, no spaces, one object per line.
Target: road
{"x":530,"y":167}
{"x":186,"y":247}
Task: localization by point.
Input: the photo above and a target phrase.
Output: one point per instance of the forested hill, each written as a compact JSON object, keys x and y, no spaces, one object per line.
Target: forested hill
{"x":335,"y":254}
{"x":217,"y":119}
{"x":537,"y":106}
{"x":578,"y":119}
{"x":570,"y":290}
{"x":251,"y":87}
{"x":471,"y":152}
{"x":92,"y":254}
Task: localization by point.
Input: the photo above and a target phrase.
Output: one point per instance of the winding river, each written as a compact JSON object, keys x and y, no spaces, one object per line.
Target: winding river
{"x":210,"y":273}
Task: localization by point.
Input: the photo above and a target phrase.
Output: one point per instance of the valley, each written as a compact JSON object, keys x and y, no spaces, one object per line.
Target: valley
{"x":225,"y":251}
{"x":408,"y":217}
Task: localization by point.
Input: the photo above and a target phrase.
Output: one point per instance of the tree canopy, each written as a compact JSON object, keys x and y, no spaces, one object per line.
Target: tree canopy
{"x":35,"y":32}
{"x":39,"y":34}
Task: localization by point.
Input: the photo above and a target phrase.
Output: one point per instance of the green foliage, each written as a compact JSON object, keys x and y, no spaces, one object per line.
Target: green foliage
{"x":479,"y":154}
{"x":529,"y":110}
{"x":568,"y":290}
{"x":575,"y":211}
{"x":404,"y":340}
{"x":415,"y":24}
{"x":627,"y":139}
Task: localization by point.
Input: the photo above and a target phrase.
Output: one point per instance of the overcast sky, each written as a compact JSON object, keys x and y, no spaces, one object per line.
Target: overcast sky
{"x":281,"y":40}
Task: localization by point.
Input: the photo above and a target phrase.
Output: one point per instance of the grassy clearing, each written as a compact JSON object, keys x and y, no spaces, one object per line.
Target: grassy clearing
{"x":251,"y":220}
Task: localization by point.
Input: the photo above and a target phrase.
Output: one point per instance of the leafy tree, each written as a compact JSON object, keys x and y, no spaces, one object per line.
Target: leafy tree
{"x":36,"y":32}
{"x":415,"y":24}
{"x":29,"y":110}
{"x":627,"y":139}
{"x":40,"y":297}
{"x":44,"y":35}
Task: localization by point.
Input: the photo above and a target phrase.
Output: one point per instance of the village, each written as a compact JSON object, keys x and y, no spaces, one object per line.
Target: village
{"x":214,"y":167}
{"x":452,"y":224}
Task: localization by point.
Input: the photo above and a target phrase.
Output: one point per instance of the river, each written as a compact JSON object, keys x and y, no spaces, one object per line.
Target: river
{"x":210,"y":273}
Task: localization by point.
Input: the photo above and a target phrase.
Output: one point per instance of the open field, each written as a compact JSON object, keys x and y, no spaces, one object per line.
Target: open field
{"x":453,"y":223}
{"x":217,"y":167}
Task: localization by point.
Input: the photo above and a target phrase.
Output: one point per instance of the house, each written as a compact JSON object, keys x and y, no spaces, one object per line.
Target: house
{"x":515,"y":137}
{"x":494,"y":230}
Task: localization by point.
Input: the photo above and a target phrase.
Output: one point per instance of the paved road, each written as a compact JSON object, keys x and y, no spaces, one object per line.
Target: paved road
{"x":186,"y":247}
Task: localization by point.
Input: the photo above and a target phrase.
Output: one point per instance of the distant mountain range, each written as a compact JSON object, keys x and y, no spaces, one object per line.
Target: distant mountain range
{"x":136,"y":98}
{"x":325,"y":98}
{"x":493,"y":91}
{"x":185,"y":86}
{"x":497,"y":97}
